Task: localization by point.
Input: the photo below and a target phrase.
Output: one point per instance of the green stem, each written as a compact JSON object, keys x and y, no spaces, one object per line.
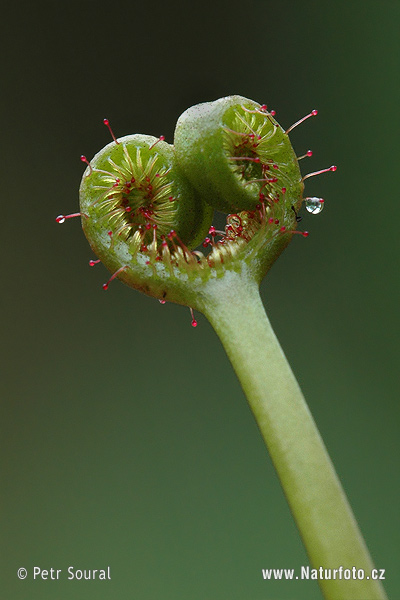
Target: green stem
{"x":316,"y":498}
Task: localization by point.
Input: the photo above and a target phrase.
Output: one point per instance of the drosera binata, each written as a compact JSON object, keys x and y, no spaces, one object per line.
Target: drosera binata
{"x":147,"y":211}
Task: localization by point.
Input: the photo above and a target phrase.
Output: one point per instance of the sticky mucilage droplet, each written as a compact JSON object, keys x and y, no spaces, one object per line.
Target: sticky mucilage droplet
{"x":314,"y":205}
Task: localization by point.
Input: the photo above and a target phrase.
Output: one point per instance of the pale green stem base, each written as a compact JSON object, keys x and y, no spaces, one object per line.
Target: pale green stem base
{"x":312,"y":488}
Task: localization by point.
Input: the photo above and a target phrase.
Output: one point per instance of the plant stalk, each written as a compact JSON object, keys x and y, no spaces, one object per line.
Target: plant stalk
{"x":316,"y":498}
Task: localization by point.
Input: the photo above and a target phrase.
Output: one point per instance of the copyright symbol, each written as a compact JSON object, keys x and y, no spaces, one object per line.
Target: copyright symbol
{"x":22,"y":573}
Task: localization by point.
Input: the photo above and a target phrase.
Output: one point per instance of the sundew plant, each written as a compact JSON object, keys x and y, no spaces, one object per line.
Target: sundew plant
{"x":147,"y":210}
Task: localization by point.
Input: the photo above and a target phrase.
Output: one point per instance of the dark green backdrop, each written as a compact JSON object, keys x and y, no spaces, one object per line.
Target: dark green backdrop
{"x":126,"y":438}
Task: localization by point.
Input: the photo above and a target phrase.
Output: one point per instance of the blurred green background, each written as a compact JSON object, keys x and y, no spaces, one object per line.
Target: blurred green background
{"x":126,"y":438}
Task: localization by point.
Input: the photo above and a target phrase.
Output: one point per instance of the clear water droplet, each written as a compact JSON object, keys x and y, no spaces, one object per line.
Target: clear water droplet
{"x":314,"y":205}
{"x":60,"y":219}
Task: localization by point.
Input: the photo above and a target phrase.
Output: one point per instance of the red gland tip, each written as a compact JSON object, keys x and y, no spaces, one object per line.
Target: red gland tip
{"x":107,"y":124}
{"x":85,"y":160}
{"x":308,"y":153}
{"x":272,"y":113}
{"x":160,"y":139}
{"x":332,"y":168}
{"x":303,"y":233}
{"x":93,"y":262}
{"x":113,"y":276}
{"x":194,"y":322}
{"x":313,"y":113}
{"x":62,"y":218}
